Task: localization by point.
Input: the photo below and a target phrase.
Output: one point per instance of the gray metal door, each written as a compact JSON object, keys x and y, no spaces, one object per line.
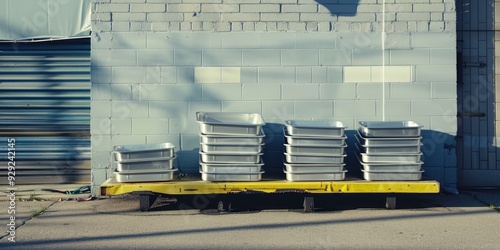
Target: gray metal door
{"x":477,"y":144}
{"x":45,"y":108}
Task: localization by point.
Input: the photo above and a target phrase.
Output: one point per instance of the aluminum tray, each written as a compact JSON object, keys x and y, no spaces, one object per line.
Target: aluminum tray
{"x":387,"y":141}
{"x":398,"y":158}
{"x":313,"y":168}
{"x":390,"y":149}
{"x":143,"y":151}
{"x":231,"y":177}
{"x":231,"y":148}
{"x":332,"y":176}
{"x":230,"y":157}
{"x":230,"y":123}
{"x":392,"y":175}
{"x":315,"y":150}
{"x":389,"y":129}
{"x":315,"y":128}
{"x":145,"y":176}
{"x":233,"y":139}
{"x":296,"y":158}
{"x":391,"y":166}
{"x":318,"y":141}
{"x":230,"y":168}
{"x":151,"y":164}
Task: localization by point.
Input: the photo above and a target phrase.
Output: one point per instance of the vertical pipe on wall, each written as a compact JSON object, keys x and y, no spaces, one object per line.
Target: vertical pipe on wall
{"x":383,"y":60}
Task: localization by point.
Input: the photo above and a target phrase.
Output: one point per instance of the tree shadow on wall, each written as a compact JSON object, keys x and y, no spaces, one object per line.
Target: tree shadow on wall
{"x":348,"y":8}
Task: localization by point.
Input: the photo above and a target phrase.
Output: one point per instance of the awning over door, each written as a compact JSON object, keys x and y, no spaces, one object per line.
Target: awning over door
{"x":37,"y":19}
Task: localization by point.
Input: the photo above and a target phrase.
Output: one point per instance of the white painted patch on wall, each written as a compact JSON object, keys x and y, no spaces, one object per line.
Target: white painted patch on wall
{"x":217,"y":75}
{"x":375,"y":74}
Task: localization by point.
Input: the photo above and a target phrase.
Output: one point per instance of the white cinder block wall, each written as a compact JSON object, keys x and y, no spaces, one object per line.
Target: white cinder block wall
{"x":155,"y":63}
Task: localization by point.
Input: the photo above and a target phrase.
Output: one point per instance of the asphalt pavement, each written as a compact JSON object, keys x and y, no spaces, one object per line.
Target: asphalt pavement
{"x":468,"y":220}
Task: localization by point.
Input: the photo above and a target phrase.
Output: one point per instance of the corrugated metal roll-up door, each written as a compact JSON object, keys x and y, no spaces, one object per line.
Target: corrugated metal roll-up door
{"x":45,"y":107}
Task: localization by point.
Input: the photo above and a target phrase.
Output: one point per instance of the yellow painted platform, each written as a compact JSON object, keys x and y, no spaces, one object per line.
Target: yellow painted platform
{"x":193,"y":187}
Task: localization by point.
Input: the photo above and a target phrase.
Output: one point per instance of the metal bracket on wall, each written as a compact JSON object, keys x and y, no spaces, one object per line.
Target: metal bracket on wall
{"x":471,"y":114}
{"x":474,"y":65}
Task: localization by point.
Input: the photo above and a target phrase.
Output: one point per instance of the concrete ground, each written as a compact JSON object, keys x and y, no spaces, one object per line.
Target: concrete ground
{"x":468,"y":220}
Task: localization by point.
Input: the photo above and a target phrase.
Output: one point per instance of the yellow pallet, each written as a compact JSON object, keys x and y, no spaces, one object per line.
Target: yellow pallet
{"x":193,"y":187}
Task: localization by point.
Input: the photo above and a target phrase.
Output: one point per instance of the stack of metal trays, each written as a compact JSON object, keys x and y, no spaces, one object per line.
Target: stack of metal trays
{"x":390,"y":150}
{"x":231,"y":146}
{"x":144,"y":162}
{"x":314,"y":150}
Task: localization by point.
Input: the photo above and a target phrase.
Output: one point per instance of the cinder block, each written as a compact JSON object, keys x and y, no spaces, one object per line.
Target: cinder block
{"x":219,"y":92}
{"x":313,"y":108}
{"x":148,"y":126}
{"x":168,"y":74}
{"x":434,"y":7}
{"x":222,"y":26}
{"x":399,"y":74}
{"x":155,"y":57}
{"x":303,"y":74}
{"x":335,"y":74}
{"x":190,"y":142}
{"x":335,"y":57}
{"x":248,"y":75}
{"x":300,"y":57}
{"x":410,"y":91}
{"x":165,"y":17}
{"x":100,"y":126}
{"x":261,"y":57}
{"x":391,"y":108}
{"x":183,"y":8}
{"x":124,"y":109}
{"x":128,"y":75}
{"x":413,"y":16}
{"x":128,"y":17}
{"x":100,"y":109}
{"x":168,"y":109}
{"x":443,"y":56}
{"x":208,"y":75}
{"x":231,"y":74}
{"x":261,"y":92}
{"x":280,"y":17}
{"x":444,"y":90}
{"x":121,"y":126}
{"x":220,"y":8}
{"x":242,"y":106}
{"x":372,"y":91}
{"x":317,"y":17}
{"x":100,"y":75}
{"x":433,"y":40}
{"x":205,"y":106}
{"x":222,"y":57}
{"x":368,"y":57}
{"x":355,"y":74}
{"x":99,"y":176}
{"x":300,"y":91}
{"x":121,"y":92}
{"x":436,"y":73}
{"x":319,"y":74}
{"x":445,"y":123}
{"x":156,"y":139}
{"x":196,"y":41}
{"x":113,"y":7}
{"x":437,"y":107}
{"x":185,"y":75}
{"x":354,"y":108}
{"x":127,"y":139}
{"x":188,"y":57}
{"x":277,"y":110}
{"x":359,"y":17}
{"x":120,"y":26}
{"x":277,"y":40}
{"x":410,"y":57}
{"x":240,"y":17}
{"x":297,"y":26}
{"x":260,"y":8}
{"x":147,"y":7}
{"x":397,"y":41}
{"x":337,"y":91}
{"x":277,"y":75}
{"x":100,"y":92}
{"x":181,"y":92}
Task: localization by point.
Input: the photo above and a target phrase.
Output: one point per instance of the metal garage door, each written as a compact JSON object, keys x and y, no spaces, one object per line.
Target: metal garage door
{"x":45,"y":108}
{"x":477,"y":142}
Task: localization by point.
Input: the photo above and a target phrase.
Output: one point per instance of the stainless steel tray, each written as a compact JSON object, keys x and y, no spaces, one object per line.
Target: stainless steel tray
{"x":387,"y":141}
{"x":233,"y":139}
{"x":398,"y":158}
{"x":229,"y":123}
{"x":294,"y":158}
{"x":230,"y":158}
{"x":231,"y":148}
{"x":332,"y":176}
{"x":391,"y":166}
{"x":145,"y":176}
{"x":327,"y":141}
{"x":392,"y":175}
{"x":389,"y":149}
{"x":315,"y":150}
{"x":230,"y":168}
{"x":231,"y":177}
{"x":147,"y":164}
{"x":390,"y":129}
{"x":313,"y":168}
{"x":143,"y":151}
{"x":315,"y":128}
